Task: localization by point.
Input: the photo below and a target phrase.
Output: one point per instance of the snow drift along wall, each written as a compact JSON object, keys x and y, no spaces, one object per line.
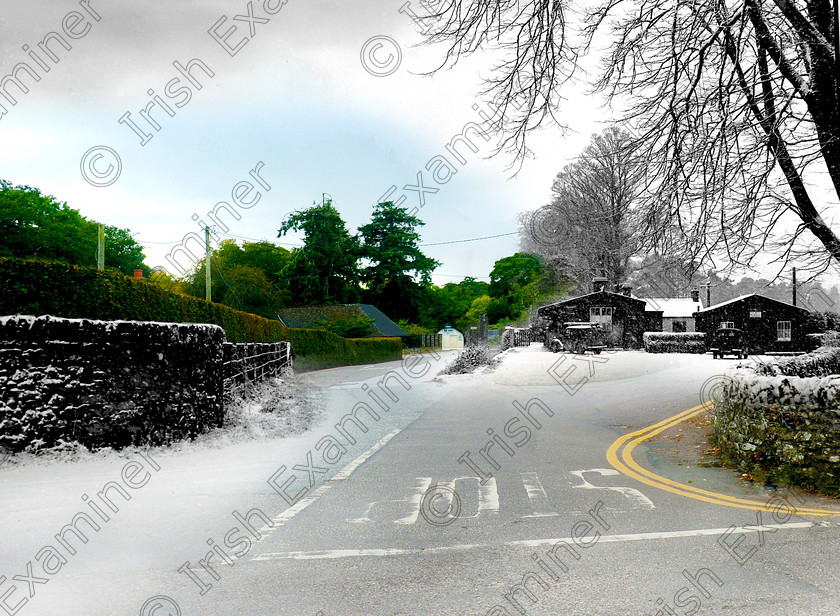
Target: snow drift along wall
{"x":780,"y":421}
{"x":113,"y":383}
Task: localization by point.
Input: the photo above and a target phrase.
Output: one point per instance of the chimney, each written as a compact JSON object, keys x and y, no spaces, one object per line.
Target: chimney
{"x":695,"y":296}
{"x":599,"y":283}
{"x":138,"y":273}
{"x":794,"y":286}
{"x":625,"y":290}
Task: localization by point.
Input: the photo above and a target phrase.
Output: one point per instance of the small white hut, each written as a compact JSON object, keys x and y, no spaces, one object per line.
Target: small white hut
{"x":451,"y":338}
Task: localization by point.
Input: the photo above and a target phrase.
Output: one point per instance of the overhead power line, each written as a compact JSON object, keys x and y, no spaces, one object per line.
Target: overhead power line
{"x":255,"y":239}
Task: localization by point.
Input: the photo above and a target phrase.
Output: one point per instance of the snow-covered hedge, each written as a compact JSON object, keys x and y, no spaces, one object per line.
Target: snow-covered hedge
{"x":674,"y":342}
{"x":780,"y":421}
{"x":106,"y":383}
{"x":824,"y":361}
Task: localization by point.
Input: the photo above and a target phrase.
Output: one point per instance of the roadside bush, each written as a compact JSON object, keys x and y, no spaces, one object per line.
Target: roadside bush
{"x":51,"y":288}
{"x":825,"y":361}
{"x":469,"y":359}
{"x":674,"y":342}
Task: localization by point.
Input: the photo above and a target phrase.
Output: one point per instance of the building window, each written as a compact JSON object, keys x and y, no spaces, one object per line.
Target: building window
{"x":783,"y":331}
{"x":755,"y":314}
{"x":678,"y":326}
{"x":602,"y":315}
{"x":727,"y":324}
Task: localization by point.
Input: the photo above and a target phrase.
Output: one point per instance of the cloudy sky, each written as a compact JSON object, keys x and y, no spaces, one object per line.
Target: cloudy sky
{"x":303,"y":91}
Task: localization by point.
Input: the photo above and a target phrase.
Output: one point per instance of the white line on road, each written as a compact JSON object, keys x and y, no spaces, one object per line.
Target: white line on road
{"x":537,"y":496}
{"x":341,"y":475}
{"x":678,"y":534}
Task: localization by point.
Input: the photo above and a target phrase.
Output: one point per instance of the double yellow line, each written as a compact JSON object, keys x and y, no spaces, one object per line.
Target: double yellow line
{"x":620,"y":455}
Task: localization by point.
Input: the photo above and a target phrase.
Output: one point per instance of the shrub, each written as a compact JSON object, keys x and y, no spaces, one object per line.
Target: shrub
{"x":60,"y":289}
{"x":825,"y":361}
{"x":674,"y":342}
{"x":470,"y":358}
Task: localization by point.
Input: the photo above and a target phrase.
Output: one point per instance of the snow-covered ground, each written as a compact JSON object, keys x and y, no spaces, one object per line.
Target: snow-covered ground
{"x":534,"y":365}
{"x":188,"y":494}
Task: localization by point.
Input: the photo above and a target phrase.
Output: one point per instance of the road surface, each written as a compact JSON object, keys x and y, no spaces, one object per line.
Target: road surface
{"x":471,"y":495}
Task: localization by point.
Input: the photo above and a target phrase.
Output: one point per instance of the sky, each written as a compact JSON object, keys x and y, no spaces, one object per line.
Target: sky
{"x":327,"y":97}
{"x":322,"y":99}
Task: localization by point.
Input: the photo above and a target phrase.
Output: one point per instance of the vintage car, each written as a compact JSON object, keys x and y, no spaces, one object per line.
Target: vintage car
{"x":729,"y":341}
{"x":578,"y":337}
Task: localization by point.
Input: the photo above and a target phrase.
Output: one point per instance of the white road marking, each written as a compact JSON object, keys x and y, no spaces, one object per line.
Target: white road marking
{"x":488,"y":497}
{"x":415,"y":499}
{"x":531,"y":543}
{"x":638,"y":499}
{"x":537,"y":496}
{"x":344,"y":473}
{"x":355,"y":385}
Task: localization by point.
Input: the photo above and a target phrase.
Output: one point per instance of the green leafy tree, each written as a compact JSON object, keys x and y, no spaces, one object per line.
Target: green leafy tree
{"x":37,"y":226}
{"x":324,"y":270}
{"x":395,"y":262}
{"x":520,"y":281}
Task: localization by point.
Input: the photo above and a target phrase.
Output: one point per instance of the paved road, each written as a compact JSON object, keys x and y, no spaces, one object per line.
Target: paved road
{"x":412,"y":517}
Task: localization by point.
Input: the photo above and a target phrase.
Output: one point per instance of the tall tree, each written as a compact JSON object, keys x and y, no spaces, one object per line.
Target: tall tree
{"x":324,"y":270}
{"x":396,"y":269}
{"x":246,"y":277}
{"x":587,"y":228}
{"x":735,"y":107}
{"x":37,"y":226}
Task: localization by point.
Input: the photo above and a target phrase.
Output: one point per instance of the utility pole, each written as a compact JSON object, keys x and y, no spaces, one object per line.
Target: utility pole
{"x":100,"y":248}
{"x":207,"y":294}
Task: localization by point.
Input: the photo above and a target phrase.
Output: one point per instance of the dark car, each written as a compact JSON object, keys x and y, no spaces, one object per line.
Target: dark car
{"x":729,"y":341}
{"x":579,"y":337}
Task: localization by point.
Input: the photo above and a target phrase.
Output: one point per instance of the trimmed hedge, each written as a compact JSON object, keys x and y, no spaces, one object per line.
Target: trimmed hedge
{"x":824,"y":361}
{"x":674,"y":342}
{"x":60,"y":289}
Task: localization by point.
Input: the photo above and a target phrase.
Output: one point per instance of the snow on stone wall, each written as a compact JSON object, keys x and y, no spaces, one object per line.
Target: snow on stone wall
{"x":780,"y":421}
{"x":107,"y":383}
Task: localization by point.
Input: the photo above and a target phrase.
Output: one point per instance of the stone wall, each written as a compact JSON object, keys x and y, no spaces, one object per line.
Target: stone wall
{"x":779,"y":424}
{"x":113,"y":383}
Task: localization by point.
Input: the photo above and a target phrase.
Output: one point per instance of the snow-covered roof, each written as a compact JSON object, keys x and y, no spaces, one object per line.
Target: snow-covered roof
{"x":673,"y":306}
{"x":743,"y":297}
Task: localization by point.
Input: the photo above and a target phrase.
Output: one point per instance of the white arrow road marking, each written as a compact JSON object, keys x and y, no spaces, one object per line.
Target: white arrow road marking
{"x":639,"y":500}
{"x":537,"y":496}
{"x":528,"y":543}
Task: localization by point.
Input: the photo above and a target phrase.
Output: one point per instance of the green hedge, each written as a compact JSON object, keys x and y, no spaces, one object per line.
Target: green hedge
{"x":45,"y":287}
